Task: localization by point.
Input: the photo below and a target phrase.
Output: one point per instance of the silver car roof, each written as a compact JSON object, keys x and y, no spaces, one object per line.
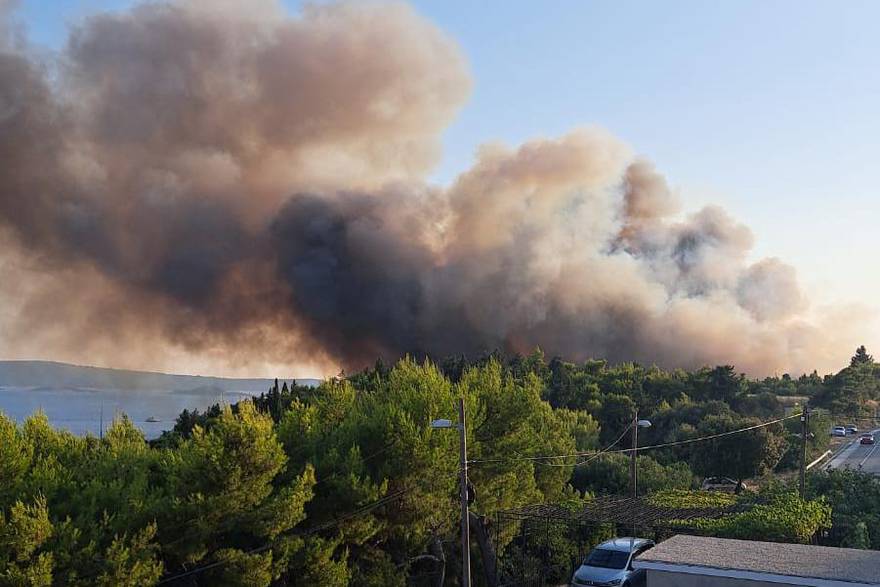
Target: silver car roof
{"x":625,"y":544}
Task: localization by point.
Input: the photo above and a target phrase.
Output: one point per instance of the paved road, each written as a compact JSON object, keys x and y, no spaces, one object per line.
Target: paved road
{"x":864,"y":457}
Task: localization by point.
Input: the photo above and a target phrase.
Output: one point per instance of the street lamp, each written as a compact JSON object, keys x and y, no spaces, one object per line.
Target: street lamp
{"x":634,"y":472}
{"x":443,"y":423}
{"x":465,"y":522}
{"x":635,"y":449}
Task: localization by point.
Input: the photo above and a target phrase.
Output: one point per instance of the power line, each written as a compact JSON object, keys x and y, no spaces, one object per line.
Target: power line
{"x":712,"y":436}
{"x":162,"y":528}
{"x":335,"y":522}
{"x":594,"y":454}
{"x":591,"y":455}
{"x":222,"y":527}
{"x":549,"y":457}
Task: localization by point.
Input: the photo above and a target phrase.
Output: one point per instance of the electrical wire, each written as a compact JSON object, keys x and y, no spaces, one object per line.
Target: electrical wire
{"x":592,"y":457}
{"x":710,"y":437}
{"x":550,"y":457}
{"x":175,"y":528}
{"x":178,"y":527}
{"x":337,"y":521}
{"x":594,"y":454}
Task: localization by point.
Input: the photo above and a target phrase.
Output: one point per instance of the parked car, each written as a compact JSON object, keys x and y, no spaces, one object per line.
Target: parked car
{"x":610,"y":564}
{"x":866,"y":439}
{"x":722,"y":484}
{"x":838,"y":431}
{"x":852,"y":429}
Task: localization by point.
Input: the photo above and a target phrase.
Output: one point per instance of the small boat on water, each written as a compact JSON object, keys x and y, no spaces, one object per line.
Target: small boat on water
{"x":152,"y":419}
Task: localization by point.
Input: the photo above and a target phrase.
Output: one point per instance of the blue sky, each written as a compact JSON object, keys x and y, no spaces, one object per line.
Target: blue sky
{"x":769,"y":108}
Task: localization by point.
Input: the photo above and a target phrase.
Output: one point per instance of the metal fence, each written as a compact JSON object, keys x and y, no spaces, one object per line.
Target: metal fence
{"x":543,"y":544}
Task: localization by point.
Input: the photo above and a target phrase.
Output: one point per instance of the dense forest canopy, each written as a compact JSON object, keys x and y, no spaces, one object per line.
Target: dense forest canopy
{"x":346,"y":483}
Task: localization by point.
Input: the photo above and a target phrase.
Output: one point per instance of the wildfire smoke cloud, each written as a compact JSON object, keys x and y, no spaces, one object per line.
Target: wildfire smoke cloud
{"x":246,"y":185}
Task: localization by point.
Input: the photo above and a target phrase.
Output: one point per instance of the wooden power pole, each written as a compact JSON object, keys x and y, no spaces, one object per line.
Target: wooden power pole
{"x":465,"y":520}
{"x":634,"y":473}
{"x":805,"y":434}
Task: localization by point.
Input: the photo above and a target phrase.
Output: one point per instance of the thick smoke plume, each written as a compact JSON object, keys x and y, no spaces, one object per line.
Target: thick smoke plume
{"x":227,"y":180}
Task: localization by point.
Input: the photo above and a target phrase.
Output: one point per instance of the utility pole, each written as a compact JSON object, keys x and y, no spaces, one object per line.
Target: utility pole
{"x":633,"y":469}
{"x":805,"y":432}
{"x":465,"y":521}
{"x":462,"y":467}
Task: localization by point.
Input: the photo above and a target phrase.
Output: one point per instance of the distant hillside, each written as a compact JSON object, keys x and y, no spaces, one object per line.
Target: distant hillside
{"x":56,"y":375}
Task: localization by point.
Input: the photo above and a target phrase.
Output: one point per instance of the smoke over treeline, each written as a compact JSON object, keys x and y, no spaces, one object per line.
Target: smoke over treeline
{"x":226,"y":179}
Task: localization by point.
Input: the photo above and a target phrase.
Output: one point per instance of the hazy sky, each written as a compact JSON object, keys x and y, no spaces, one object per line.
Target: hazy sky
{"x":769,"y":108}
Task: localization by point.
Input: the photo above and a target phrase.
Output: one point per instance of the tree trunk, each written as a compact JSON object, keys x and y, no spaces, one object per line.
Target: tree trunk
{"x":436,"y":554}
{"x":487,"y":551}
{"x":436,"y":549}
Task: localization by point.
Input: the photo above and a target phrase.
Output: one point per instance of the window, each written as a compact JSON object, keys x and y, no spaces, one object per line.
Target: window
{"x":608,"y":559}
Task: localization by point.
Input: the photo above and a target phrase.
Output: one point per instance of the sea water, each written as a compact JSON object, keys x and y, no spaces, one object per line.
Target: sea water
{"x":85,"y":410}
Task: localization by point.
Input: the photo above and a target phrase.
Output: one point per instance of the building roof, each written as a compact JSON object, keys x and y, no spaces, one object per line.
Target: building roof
{"x":794,"y":564}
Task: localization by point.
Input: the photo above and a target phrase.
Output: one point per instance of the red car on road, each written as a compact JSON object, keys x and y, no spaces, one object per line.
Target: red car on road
{"x":866,"y":439}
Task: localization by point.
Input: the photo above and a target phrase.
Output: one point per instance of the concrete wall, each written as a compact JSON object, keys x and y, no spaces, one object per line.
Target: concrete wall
{"x":668,"y":579}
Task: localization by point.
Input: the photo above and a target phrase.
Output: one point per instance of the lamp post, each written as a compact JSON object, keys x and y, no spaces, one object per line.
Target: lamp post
{"x":634,"y":473}
{"x":465,"y":522}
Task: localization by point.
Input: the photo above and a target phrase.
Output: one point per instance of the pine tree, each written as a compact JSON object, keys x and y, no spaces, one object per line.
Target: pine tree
{"x":861,"y":357}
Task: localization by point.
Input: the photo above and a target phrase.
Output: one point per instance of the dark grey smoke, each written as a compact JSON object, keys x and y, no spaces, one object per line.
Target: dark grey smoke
{"x":239,"y":184}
